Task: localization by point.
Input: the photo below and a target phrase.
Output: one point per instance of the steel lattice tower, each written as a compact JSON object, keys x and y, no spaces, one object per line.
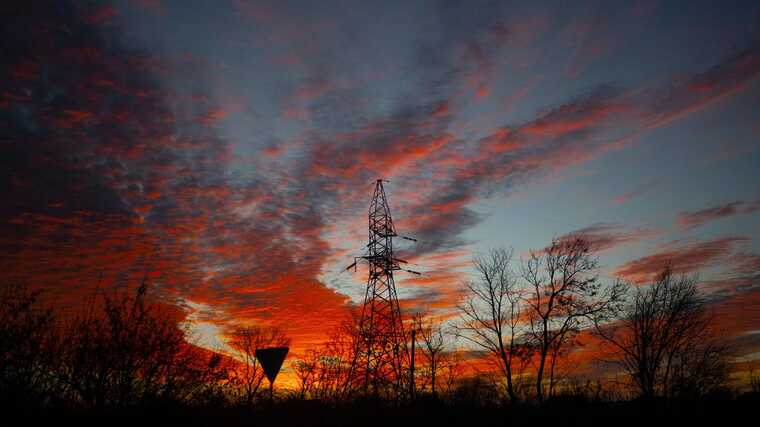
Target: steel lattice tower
{"x":381,"y":354}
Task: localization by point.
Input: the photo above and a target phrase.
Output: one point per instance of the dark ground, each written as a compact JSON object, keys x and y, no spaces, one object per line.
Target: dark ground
{"x":560,"y":412}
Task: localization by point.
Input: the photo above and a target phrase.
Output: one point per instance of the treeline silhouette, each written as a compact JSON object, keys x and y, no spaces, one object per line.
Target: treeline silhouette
{"x":125,"y":350}
{"x":130,"y":352}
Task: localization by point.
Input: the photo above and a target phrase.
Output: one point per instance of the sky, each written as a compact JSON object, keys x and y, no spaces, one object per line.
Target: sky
{"x":227,"y":150}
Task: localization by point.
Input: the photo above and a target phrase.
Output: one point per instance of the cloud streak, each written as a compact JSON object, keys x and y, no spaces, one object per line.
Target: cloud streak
{"x":693,"y":219}
{"x":683,"y":259}
{"x":606,"y":236}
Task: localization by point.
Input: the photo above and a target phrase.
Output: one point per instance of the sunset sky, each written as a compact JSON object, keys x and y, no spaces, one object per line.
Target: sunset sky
{"x":227,"y":149}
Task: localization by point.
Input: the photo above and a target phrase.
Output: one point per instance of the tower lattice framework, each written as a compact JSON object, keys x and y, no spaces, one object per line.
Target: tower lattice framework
{"x":381,"y":364}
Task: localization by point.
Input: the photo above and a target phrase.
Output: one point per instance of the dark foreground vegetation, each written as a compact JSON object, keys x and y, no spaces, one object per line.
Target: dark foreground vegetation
{"x":126,"y":358}
{"x":557,"y":411}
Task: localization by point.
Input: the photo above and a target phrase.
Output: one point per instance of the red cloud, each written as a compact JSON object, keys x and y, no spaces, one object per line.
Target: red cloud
{"x":143,"y":198}
{"x":738,"y":314}
{"x":212,"y":116}
{"x":692,"y":219}
{"x":685,"y":259}
{"x":570,"y":118}
{"x":604,"y":236}
{"x":636,"y":192}
{"x":746,"y":263}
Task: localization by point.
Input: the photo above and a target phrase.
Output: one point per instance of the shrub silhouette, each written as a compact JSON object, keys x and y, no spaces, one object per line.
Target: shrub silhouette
{"x":133,"y":352}
{"x":249,"y":374}
{"x":28,"y":348}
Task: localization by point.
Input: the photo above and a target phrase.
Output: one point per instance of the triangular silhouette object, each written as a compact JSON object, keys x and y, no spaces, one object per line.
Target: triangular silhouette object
{"x":271,"y":360}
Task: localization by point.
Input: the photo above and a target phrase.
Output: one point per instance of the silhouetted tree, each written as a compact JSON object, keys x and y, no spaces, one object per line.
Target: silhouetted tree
{"x":490,"y":313}
{"x":28,"y":347}
{"x":558,"y":350}
{"x":665,"y":342}
{"x":583,"y":388}
{"x":132,"y":351}
{"x":432,"y":347}
{"x":306,"y":370}
{"x":476,"y":390}
{"x":754,"y":380}
{"x":451,"y":371}
{"x":324,"y":372}
{"x":250,"y":374}
{"x":565,"y":296}
{"x":198,"y":377}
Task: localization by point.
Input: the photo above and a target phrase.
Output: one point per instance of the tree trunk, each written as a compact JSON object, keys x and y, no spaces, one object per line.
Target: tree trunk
{"x":540,"y":377}
{"x":542,"y":363}
{"x":411,"y":367}
{"x":508,"y":371}
{"x":551,"y":375}
{"x":433,"y":368}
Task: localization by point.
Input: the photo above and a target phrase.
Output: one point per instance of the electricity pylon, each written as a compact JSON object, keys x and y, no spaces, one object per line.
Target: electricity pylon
{"x":380,"y":357}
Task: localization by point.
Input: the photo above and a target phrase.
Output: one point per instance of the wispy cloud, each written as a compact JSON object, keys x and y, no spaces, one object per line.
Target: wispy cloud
{"x":693,"y":219}
{"x":685,"y":258}
{"x":606,"y":236}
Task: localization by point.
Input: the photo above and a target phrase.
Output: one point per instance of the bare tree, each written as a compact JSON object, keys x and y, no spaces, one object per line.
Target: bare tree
{"x":490,"y":313}
{"x":565,"y":296}
{"x":664,"y":339}
{"x":432,"y":345}
{"x":245,"y":341}
{"x":558,"y":350}
{"x":324,"y":372}
{"x":451,"y":371}
{"x":307,"y":372}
